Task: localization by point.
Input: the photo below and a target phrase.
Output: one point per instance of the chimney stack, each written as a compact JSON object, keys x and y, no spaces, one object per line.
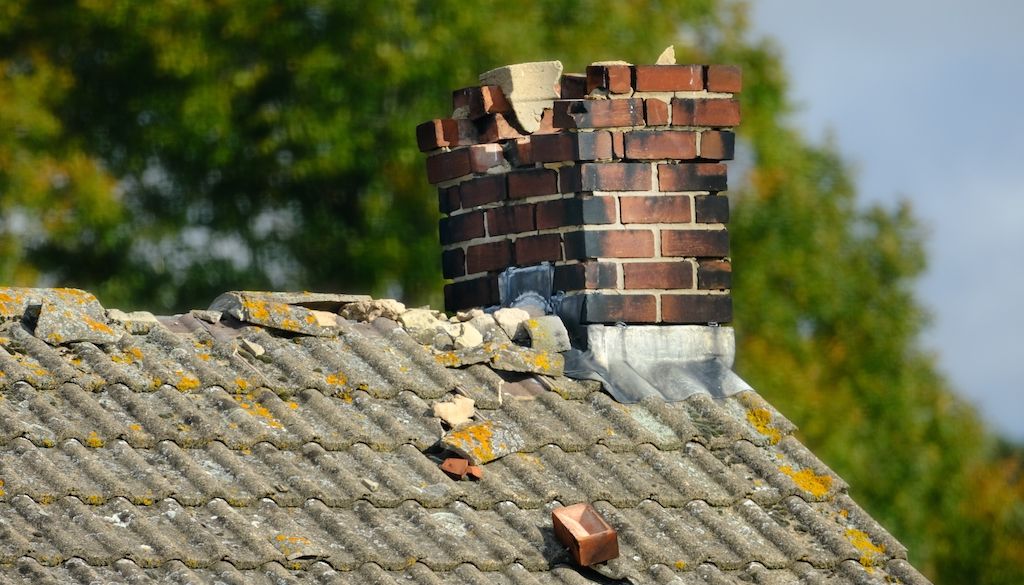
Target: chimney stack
{"x":614,"y":178}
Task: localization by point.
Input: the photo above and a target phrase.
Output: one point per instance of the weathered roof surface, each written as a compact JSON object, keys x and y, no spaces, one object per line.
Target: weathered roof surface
{"x":204,"y":451}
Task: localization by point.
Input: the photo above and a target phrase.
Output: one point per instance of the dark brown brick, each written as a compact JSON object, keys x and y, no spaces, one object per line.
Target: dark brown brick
{"x":664,"y":144}
{"x":495,"y":127}
{"x":705,"y":112}
{"x":482,"y":190}
{"x":575,"y":211}
{"x":656,"y":112}
{"x":492,"y":256}
{"x":572,"y":147}
{"x":462,"y":227}
{"x":669,"y":78}
{"x":436,"y":134}
{"x":468,"y":294}
{"x":573,"y":86}
{"x":485,"y":156}
{"x":537,"y":249}
{"x":655,"y":209}
{"x":609,"y":244}
{"x":448,"y":199}
{"x":598,"y":113}
{"x":480,"y":101}
{"x":711,"y":208}
{"x":586,"y":275}
{"x":724,"y":78}
{"x":618,"y":149}
{"x":531,"y":182}
{"x":692,"y":177}
{"x":453,"y":263}
{"x":519,"y":152}
{"x":608,"y":308}
{"x":715,"y":145}
{"x":614,"y":78}
{"x":445,"y":166}
{"x":696,"y":309}
{"x":666,"y":275}
{"x":606,"y":177}
{"x":697,"y":243}
{"x":714,"y":275}
{"x":510,"y":219}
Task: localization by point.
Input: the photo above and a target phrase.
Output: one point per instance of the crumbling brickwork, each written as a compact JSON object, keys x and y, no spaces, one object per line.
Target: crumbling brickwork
{"x":619,"y":187}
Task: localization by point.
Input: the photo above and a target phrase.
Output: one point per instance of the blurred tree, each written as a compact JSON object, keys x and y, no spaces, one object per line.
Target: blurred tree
{"x":161,"y":152}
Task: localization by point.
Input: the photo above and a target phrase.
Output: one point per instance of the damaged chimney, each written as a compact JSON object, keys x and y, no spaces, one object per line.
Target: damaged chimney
{"x":614,"y":178}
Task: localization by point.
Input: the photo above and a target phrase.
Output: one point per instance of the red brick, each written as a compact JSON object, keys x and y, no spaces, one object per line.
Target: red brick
{"x":618,"y":148}
{"x":606,"y":308}
{"x":455,"y":467}
{"x":696,"y":309}
{"x":711,"y":208}
{"x":453,"y":263}
{"x":698,"y":243}
{"x":666,"y":275}
{"x":586,"y":275}
{"x":531,"y":182}
{"x":724,"y":78}
{"x":462,"y":227}
{"x":468,"y":294}
{"x":436,"y":134}
{"x":692,"y":177}
{"x":493,"y":256}
{"x":537,"y":249}
{"x":510,"y":219}
{"x":655,"y":112}
{"x":485,"y":156}
{"x":669,"y":78}
{"x":609,"y":244}
{"x":482,"y":190}
{"x":448,"y":199}
{"x":480,"y":101}
{"x":714,"y":275}
{"x":655,"y":209}
{"x":664,"y":144}
{"x":571,"y":212}
{"x":606,"y":177}
{"x":519,"y":152}
{"x":705,"y":112}
{"x":614,"y":78}
{"x":598,"y":113}
{"x":573,"y":86}
{"x":445,"y":166}
{"x":572,"y":147}
{"x":495,"y":127}
{"x":715,"y":145}
{"x":547,"y":123}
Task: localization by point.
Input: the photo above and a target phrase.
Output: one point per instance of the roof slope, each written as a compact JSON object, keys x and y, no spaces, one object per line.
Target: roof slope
{"x":182,"y":452}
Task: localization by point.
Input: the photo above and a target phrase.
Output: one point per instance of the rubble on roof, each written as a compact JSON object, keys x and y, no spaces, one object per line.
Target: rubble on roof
{"x":60,"y":315}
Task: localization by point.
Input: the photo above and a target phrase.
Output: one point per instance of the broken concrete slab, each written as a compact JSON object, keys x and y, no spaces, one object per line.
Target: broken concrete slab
{"x":370,"y":309}
{"x":136,"y":322}
{"x":483,"y":442}
{"x":510,"y":320}
{"x":547,"y":333}
{"x":506,"y":357}
{"x":261,"y":309}
{"x":62,"y":323}
{"x":469,"y":336}
{"x":456,"y":411}
{"x":528,"y":88}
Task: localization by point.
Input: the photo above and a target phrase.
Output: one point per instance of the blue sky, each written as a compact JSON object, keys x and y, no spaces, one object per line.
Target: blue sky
{"x":926,"y":100}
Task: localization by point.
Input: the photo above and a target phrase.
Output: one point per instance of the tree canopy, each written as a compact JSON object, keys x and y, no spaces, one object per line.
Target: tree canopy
{"x":159,"y":153}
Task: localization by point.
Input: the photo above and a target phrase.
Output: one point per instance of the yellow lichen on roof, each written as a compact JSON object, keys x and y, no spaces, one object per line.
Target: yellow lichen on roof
{"x":255,"y":408}
{"x":336,"y":379}
{"x":812,"y":483}
{"x":96,"y":325}
{"x":761,"y":419}
{"x":2,"y":492}
{"x":188,"y":382}
{"x":870,"y":553}
{"x":477,"y":439}
{"x":258,"y":309}
{"x":94,"y":440}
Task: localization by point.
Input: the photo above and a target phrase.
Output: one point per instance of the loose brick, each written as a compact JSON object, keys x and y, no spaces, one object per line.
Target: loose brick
{"x":724,"y":78}
{"x":482,"y":190}
{"x":615,"y":78}
{"x":532,"y":182}
{"x":656,"y":112}
{"x":547,"y":123}
{"x":468,"y":294}
{"x":665,"y":144}
{"x":695,"y":243}
{"x":663,"y":275}
{"x":609,"y":244}
{"x":692,"y":177}
{"x":537,"y":249}
{"x":669,"y":78}
{"x":462,"y":227}
{"x":655,"y":209}
{"x":714,"y":275}
{"x":519,"y":152}
{"x":696,"y":309}
{"x":480,"y":101}
{"x":711,"y":208}
{"x":715,"y":145}
{"x":483,"y":157}
{"x":445,"y":166}
{"x":573,"y":86}
{"x":586,"y":276}
{"x":453,"y":263}
{"x":572,"y":147}
{"x":572,"y":212}
{"x":705,"y":112}
{"x":606,"y":177}
{"x":436,"y":134}
{"x":510,"y":219}
{"x":448,"y":199}
{"x":495,"y":127}
{"x":598,"y":113}
{"x":492,"y":256}
{"x":607,"y":308}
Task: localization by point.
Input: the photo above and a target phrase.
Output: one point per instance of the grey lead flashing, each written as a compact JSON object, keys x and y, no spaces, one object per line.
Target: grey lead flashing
{"x":670,"y":361}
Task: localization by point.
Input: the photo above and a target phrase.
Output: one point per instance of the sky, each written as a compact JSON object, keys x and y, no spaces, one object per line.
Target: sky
{"x":925,"y":98}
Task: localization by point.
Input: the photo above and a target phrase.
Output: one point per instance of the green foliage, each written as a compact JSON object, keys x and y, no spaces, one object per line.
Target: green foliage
{"x":159,"y":153}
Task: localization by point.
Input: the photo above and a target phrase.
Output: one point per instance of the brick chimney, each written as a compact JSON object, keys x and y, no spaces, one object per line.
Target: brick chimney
{"x":613,"y":177}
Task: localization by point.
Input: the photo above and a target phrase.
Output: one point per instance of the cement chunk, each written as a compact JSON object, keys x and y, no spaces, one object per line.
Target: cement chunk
{"x":528,"y":87}
{"x":667,"y":57}
{"x":368,"y":310}
{"x":468,"y":337}
{"x":257,"y":309}
{"x":455,"y":412}
{"x":510,"y":320}
{"x":483,"y":442}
